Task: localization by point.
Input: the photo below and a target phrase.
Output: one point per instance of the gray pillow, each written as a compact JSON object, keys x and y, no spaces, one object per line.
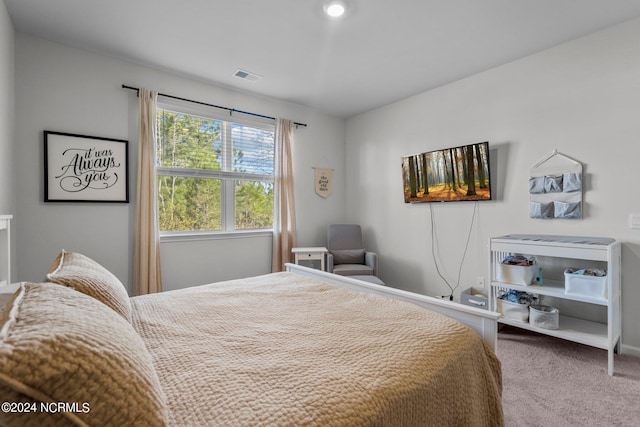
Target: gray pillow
{"x":348,"y":256}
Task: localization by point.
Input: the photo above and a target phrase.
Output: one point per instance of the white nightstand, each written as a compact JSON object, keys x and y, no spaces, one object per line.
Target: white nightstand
{"x":309,"y":254}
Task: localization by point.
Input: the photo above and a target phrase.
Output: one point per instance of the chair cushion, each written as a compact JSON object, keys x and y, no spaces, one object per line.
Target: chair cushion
{"x":348,"y":256}
{"x":61,"y":346}
{"x":352,"y":269}
{"x":344,"y":236}
{"x":83,"y":274}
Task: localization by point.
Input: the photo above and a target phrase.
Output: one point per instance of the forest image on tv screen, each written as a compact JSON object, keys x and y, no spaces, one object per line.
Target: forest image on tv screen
{"x":448,"y":175}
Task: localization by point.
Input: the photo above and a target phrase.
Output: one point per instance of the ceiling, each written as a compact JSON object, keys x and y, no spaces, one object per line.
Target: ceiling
{"x":378,"y":53}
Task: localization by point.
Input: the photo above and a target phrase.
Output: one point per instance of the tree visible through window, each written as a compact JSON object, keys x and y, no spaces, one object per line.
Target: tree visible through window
{"x":213,"y":175}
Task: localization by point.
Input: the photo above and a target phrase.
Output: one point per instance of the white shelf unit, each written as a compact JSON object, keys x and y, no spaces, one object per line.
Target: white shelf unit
{"x":567,"y":248}
{"x":5,"y":249}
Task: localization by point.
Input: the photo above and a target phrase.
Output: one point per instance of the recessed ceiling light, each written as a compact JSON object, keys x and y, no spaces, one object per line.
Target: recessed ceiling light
{"x":335,"y":9}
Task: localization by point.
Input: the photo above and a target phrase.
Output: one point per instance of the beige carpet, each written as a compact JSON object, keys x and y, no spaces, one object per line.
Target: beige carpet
{"x":553,"y":382}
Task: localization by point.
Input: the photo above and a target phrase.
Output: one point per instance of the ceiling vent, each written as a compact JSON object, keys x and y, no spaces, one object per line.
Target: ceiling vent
{"x":246,"y":75}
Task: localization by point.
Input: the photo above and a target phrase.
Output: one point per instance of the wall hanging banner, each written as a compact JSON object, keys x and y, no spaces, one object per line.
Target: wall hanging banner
{"x":324,"y":182}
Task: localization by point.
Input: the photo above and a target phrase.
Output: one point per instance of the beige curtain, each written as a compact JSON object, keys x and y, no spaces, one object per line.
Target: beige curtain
{"x":284,"y":229}
{"x":146,"y":256}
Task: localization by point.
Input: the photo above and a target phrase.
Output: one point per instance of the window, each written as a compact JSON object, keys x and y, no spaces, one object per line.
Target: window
{"x":215,"y":172}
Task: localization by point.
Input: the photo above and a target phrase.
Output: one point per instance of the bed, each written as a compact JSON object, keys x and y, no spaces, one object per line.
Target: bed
{"x":301,"y":347}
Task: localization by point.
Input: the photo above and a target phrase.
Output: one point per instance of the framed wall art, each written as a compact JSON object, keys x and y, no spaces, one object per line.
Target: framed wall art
{"x":81,"y":168}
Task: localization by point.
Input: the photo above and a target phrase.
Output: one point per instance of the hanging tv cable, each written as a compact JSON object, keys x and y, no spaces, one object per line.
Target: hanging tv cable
{"x":466,"y":247}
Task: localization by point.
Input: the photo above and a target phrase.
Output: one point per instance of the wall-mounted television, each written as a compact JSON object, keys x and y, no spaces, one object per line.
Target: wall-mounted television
{"x":448,"y":175}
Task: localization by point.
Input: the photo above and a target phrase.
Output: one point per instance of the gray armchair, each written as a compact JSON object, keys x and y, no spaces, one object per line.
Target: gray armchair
{"x":347,"y":255}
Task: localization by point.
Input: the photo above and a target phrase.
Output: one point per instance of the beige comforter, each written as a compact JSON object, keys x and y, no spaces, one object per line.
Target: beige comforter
{"x":286,"y":350}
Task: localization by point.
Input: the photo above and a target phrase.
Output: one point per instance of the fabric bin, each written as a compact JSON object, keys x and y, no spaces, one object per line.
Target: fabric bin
{"x":475,"y":298}
{"x":571,"y":182}
{"x":536,"y":185}
{"x":553,"y":184}
{"x":517,"y":274}
{"x":567,"y":210}
{"x":514,"y":310}
{"x":541,"y":210}
{"x":543,"y":316}
{"x":584,"y":285}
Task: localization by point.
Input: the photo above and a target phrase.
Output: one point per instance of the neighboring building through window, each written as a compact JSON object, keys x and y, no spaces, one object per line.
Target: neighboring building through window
{"x":215,"y":172}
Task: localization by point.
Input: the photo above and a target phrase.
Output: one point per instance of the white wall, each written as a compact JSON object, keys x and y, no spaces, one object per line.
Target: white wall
{"x":7,"y":105}
{"x":7,"y":117}
{"x":582,"y":98}
{"x":70,"y":90}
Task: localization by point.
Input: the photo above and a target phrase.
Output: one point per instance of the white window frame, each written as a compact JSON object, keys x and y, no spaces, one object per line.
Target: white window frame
{"x":228,"y":179}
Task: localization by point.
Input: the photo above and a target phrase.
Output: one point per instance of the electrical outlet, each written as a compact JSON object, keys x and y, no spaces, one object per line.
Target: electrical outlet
{"x":480,"y":282}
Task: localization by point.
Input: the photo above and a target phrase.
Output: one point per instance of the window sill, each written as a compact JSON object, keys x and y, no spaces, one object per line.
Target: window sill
{"x":212,"y":235}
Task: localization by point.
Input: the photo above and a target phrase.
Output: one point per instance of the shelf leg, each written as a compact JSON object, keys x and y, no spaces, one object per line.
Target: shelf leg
{"x":610,"y":351}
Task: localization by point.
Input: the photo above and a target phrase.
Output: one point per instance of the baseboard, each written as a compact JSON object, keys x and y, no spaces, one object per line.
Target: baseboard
{"x":630,"y":350}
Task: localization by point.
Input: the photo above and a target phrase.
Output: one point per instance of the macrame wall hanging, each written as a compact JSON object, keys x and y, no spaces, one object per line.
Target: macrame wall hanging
{"x":555,"y":188}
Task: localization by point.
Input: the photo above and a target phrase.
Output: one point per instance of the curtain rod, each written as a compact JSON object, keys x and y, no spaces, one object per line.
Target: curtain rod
{"x":230,"y":110}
